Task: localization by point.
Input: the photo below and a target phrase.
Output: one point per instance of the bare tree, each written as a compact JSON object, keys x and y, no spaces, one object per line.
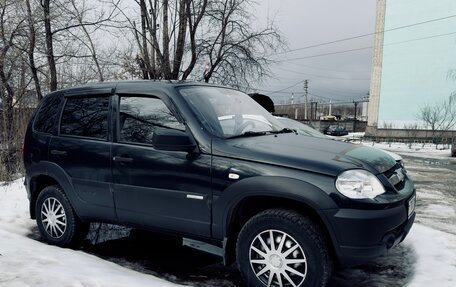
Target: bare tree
{"x":388,"y":127}
{"x":439,"y":116}
{"x":235,"y":53}
{"x":31,"y":49}
{"x":11,"y":31}
{"x":412,"y":133}
{"x":70,"y":29}
{"x":168,"y":49}
{"x":87,"y":40}
{"x":13,"y":77}
{"x":49,"y":44}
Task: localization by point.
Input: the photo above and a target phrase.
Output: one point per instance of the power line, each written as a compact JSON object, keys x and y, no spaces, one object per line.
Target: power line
{"x":288,"y":94}
{"x":396,"y":43}
{"x":365,"y":35}
{"x":326,"y":77}
{"x":332,"y":99}
{"x":365,"y":48}
{"x":329,"y":69}
{"x":338,"y":94}
{"x":278,"y":91}
{"x":300,"y":95}
{"x":322,"y":97}
{"x":327,"y":54}
{"x":325,"y":88}
{"x":424,"y":38}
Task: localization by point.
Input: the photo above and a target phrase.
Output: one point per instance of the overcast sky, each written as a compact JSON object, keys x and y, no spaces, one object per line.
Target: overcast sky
{"x":340,"y":77}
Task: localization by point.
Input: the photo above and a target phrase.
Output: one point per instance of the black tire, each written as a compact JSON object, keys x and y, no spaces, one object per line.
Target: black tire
{"x":57,"y":222}
{"x":300,"y":235}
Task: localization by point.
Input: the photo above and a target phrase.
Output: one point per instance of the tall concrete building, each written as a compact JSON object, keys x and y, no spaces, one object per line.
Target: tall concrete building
{"x":414,"y":59}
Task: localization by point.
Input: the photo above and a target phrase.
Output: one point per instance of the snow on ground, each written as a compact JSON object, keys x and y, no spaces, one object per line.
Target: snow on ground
{"x":425,"y":150}
{"x":27,"y":262}
{"x":436,"y":257}
{"x":426,"y":258}
{"x":416,"y":149}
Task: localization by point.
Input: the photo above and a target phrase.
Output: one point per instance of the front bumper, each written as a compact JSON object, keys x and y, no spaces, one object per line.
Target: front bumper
{"x":362,"y":235}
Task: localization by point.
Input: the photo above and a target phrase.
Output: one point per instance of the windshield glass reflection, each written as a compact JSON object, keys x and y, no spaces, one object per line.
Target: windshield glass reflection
{"x":229,"y":113}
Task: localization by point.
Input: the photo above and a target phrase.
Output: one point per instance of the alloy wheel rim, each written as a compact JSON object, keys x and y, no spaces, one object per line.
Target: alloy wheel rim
{"x":277,"y":259}
{"x":53,"y":217}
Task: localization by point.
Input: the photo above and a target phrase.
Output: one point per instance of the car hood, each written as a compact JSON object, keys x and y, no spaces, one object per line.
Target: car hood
{"x":319,"y":155}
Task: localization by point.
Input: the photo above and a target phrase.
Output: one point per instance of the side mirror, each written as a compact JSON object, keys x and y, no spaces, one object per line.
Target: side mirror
{"x":172,"y":140}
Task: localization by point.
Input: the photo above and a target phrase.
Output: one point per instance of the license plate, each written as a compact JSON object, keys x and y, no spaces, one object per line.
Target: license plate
{"x":411,"y":205}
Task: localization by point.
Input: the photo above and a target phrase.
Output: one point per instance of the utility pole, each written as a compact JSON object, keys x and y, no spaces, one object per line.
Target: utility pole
{"x":306,"y":86}
{"x":356,"y":108}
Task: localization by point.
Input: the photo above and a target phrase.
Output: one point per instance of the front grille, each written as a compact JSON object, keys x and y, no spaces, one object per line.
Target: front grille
{"x":396,"y":176}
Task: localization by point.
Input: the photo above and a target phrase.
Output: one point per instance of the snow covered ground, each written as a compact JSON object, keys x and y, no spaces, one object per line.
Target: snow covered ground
{"x":426,"y":258}
{"x":27,"y":262}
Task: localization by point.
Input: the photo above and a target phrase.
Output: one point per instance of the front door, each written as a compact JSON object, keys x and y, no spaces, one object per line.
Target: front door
{"x":154,"y":188}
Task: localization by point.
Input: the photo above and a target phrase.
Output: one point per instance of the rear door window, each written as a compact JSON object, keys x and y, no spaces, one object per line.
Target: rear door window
{"x":86,"y":117}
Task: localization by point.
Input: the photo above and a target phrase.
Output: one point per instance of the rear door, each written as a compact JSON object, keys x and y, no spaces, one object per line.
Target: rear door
{"x":83,"y":150}
{"x":154,"y":188}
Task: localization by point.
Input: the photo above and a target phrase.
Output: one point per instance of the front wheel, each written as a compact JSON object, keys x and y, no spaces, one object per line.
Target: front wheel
{"x":283,"y":248}
{"x":56,"y":219}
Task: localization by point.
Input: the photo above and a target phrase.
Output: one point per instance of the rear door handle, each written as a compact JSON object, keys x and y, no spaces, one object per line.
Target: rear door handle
{"x":58,"y":152}
{"x":122,"y":159}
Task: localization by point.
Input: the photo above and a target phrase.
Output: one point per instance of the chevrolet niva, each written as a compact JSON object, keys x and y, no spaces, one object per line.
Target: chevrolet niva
{"x":208,"y":164}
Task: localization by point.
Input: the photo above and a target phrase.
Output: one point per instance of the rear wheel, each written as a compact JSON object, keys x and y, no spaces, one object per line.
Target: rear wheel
{"x":56,"y":219}
{"x":282,"y":248}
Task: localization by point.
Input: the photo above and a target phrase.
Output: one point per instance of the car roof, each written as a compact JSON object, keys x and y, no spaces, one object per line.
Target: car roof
{"x":131,"y":86}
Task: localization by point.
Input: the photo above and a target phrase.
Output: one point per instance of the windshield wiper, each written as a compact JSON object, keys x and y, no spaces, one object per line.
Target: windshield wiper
{"x":283,"y":131}
{"x":248,"y":134}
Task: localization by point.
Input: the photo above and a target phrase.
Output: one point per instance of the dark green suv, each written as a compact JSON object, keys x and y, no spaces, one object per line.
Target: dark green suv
{"x":209,"y":164}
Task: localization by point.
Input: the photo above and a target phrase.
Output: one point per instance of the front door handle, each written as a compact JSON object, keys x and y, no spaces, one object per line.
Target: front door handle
{"x":122,"y":159}
{"x":58,"y":152}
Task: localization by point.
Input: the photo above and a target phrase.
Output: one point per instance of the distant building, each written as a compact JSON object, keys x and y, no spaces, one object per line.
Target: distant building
{"x":414,"y":57}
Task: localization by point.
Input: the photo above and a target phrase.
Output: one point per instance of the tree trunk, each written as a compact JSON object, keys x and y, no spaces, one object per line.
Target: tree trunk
{"x":145,"y":50}
{"x":31,"y":51}
{"x":49,"y":45}
{"x":7,"y":107}
{"x":180,"y":41}
{"x":153,"y":31}
{"x":193,"y":26}
{"x":165,"y":62}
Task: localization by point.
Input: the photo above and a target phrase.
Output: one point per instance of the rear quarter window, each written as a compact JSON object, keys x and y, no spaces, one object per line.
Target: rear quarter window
{"x":47,"y":118}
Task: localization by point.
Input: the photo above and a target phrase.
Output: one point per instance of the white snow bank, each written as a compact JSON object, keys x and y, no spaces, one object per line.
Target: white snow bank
{"x":436,"y":252}
{"x":14,"y":206}
{"x":27,"y":262}
{"x":417,"y":150}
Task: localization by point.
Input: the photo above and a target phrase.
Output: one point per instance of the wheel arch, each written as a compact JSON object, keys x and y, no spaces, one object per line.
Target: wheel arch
{"x":38,"y":183}
{"x":46,"y":174}
{"x":269,"y":193}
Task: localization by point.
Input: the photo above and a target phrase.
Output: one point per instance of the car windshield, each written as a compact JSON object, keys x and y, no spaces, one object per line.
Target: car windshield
{"x":228,"y":113}
{"x":301,"y":128}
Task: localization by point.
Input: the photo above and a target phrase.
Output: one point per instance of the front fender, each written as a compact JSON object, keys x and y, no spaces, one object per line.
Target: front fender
{"x":266,"y":186}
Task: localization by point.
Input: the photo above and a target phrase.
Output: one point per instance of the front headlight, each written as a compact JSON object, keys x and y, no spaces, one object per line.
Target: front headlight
{"x":359,"y":184}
